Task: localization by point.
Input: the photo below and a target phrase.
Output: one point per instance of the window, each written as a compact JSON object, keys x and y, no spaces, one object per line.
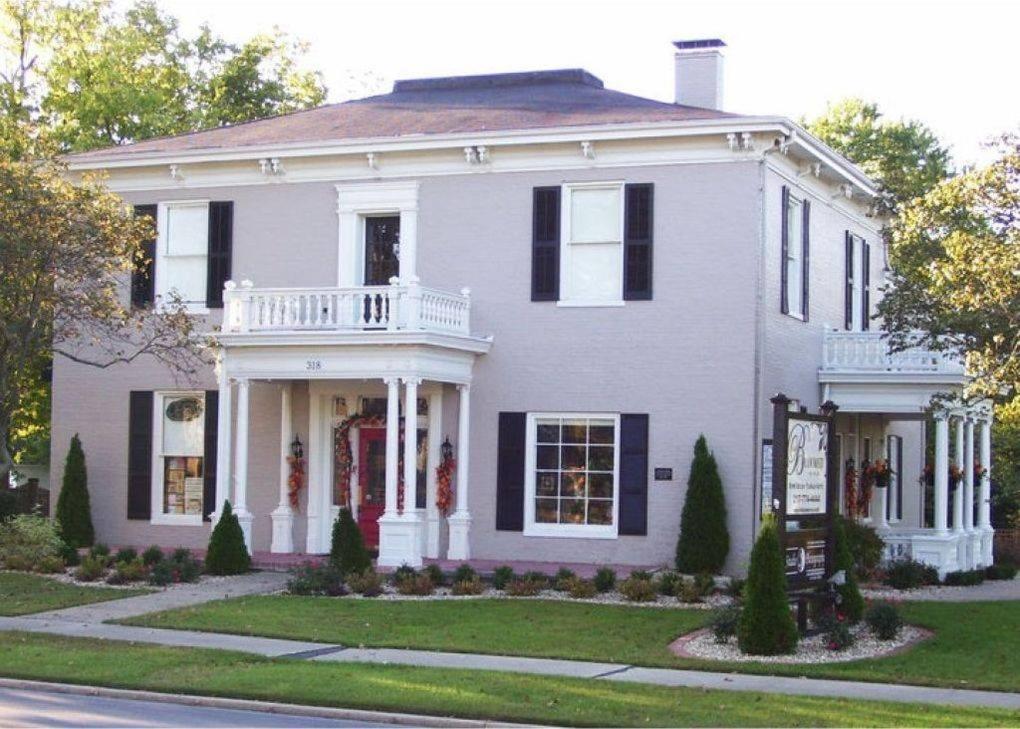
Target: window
{"x":858,"y":304}
{"x":593,"y":244}
{"x":572,"y":475}
{"x":179,"y":435}
{"x":795,"y":256}
{"x":183,"y":252}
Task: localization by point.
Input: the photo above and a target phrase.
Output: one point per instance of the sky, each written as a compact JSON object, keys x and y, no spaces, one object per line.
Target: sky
{"x":951,"y":65}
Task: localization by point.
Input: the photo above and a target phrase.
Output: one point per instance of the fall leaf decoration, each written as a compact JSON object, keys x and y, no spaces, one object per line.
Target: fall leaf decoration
{"x":296,"y":480}
{"x":444,"y":484}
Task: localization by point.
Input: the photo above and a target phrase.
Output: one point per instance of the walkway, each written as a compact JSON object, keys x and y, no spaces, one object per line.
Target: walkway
{"x":989,"y":590}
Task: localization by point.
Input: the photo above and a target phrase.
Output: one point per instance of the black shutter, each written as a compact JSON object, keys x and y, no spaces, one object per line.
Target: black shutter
{"x":221,"y":233}
{"x":784,"y":294}
{"x":634,"y":474}
{"x":545,"y":244}
{"x":212,"y":410}
{"x":637,"y":257}
{"x":865,"y":286}
{"x":848,"y":286}
{"x":805,"y":278}
{"x":143,"y":276}
{"x":139,"y":496}
{"x":899,"y":478}
{"x":510,"y":472}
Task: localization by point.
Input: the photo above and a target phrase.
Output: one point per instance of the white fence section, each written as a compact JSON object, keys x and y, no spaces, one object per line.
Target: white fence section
{"x":409,"y":307}
{"x":869,"y":352}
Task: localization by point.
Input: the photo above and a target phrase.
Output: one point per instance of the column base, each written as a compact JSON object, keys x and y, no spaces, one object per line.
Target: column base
{"x":987,"y":544}
{"x":938,"y":550}
{"x":400,"y":540}
{"x":460,"y":528}
{"x":432,"y":528}
{"x":245,"y":519}
{"x":283,"y":530}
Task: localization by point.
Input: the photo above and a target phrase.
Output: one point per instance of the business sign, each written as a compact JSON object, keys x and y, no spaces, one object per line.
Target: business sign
{"x":807,"y":466}
{"x":805,"y":556}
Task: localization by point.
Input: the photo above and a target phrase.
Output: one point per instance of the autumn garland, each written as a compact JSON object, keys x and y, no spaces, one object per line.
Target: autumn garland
{"x":343,"y":454}
{"x":296,"y":480}
{"x":444,"y":484}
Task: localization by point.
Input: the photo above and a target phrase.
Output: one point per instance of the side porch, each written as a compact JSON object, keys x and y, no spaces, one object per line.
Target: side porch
{"x":914,"y":456}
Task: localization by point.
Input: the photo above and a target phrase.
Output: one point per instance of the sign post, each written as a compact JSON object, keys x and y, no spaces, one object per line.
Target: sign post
{"x":804,"y":488}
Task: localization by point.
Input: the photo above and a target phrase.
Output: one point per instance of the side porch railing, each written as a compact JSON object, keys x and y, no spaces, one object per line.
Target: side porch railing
{"x":397,"y":307}
{"x":870,"y":352}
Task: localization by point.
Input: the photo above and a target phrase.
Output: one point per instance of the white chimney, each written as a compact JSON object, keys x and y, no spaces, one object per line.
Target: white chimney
{"x":699,"y":73}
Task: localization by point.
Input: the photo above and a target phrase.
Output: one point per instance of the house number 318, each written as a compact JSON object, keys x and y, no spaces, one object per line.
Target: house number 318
{"x":313,"y":365}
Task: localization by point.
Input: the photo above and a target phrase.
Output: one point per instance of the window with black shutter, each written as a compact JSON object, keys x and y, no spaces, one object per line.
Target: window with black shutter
{"x":545,"y":244}
{"x":221,"y":233}
{"x":805,"y":300}
{"x":784,"y":253}
{"x":634,"y":474}
{"x":510,"y":471}
{"x":865,"y":286}
{"x":139,"y":486}
{"x":143,"y":275}
{"x":848,"y":286}
{"x":211,"y":433}
{"x":638,"y":226}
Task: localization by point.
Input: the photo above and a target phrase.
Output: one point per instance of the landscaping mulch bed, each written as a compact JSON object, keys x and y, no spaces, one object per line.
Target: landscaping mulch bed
{"x":812,"y":649}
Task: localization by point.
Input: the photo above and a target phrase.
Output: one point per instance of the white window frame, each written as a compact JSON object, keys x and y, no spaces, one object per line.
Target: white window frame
{"x":794,"y":252}
{"x":162,"y":241}
{"x":574,"y":531}
{"x":566,"y":205}
{"x":157,"y":515}
{"x":357,"y":201}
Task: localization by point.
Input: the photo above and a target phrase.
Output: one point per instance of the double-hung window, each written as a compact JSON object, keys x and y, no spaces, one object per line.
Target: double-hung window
{"x":572,"y":475}
{"x":179,"y":462}
{"x":182,"y":262}
{"x":592,"y":254}
{"x":858,"y":283}
{"x":796,"y":255}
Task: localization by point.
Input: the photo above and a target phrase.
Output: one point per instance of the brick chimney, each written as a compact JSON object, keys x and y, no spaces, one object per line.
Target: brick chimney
{"x":699,"y":72}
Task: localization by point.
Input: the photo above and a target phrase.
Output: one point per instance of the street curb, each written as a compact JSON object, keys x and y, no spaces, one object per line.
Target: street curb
{"x":267,"y":707}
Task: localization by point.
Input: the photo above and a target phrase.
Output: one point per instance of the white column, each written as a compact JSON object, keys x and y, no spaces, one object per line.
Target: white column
{"x":432,"y":521}
{"x":283,"y":516}
{"x":392,"y":443}
{"x":224,"y":443}
{"x":411,"y":446}
{"x":968,"y":474}
{"x":399,"y":534}
{"x":316,"y":516}
{"x":408,"y":244}
{"x":984,"y":497}
{"x":241,"y":472}
{"x":460,"y":520}
{"x":941,"y":470}
{"x":958,"y":494}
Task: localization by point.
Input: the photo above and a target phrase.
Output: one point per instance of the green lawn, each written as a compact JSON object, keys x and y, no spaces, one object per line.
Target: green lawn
{"x":21,"y":594}
{"x":446,"y":692}
{"x":977,"y":645}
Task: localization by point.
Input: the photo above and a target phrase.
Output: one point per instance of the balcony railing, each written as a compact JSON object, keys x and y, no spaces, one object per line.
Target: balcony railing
{"x":869,"y":352}
{"x":394,"y":308}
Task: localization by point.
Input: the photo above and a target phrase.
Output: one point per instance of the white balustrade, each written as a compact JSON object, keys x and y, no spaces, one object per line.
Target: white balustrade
{"x":358,"y":308}
{"x":870,"y":352}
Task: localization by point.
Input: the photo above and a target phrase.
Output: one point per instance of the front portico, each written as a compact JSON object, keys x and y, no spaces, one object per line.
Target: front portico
{"x":377,"y":361}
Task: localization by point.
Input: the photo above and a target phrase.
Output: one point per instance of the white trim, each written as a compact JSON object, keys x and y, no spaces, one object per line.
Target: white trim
{"x":573,"y":531}
{"x":357,"y":201}
{"x":156,"y":514}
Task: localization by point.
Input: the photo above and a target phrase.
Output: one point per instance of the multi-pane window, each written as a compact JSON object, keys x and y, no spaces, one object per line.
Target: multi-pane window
{"x":573,"y":474}
{"x":183,"y":256}
{"x":795,"y":256}
{"x":593,"y":250}
{"x":180,"y":443}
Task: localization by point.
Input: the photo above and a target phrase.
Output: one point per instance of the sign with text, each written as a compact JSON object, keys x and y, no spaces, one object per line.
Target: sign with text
{"x":807,"y":466}
{"x":805,"y":556}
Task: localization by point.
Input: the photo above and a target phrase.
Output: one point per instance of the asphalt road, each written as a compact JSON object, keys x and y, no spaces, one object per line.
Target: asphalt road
{"x":19,"y":708}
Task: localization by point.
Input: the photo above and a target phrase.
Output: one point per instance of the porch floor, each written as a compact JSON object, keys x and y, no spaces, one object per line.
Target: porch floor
{"x":283,"y":562}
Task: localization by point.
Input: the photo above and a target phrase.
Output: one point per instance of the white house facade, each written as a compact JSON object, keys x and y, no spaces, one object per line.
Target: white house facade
{"x":541,"y":288}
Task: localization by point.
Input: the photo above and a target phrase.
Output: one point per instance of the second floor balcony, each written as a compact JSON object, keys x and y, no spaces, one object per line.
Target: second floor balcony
{"x":870,"y":353}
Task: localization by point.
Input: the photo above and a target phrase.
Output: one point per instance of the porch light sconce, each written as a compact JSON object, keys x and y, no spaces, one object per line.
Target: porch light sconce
{"x":297,"y":448}
{"x":829,"y":408}
{"x":447,"y":449}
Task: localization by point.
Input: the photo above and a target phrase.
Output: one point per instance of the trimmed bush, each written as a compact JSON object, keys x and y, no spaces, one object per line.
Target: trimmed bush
{"x":464,"y":573}
{"x":705,"y":584}
{"x":99,"y":549}
{"x":74,"y":515}
{"x":964,"y":578}
{"x":347,"y":551}
{"x":724,"y":624}
{"x":227,"y":553}
{"x":766,"y":626}
{"x":540,"y":579}
{"x":128,"y":571}
{"x":908,"y":574}
{"x":687,"y":591}
{"x":866,"y":547}
{"x":605,"y":579}
{"x":666,"y":583}
{"x":470,"y":586}
{"x":152,"y":555}
{"x":367,"y":583}
{"x":849,"y":601}
{"x":403,"y":572}
{"x":502,"y":576}
{"x":736,"y":588}
{"x":70,"y":555}
{"x":884,"y":620}
{"x":49,"y":565}
{"x":180,"y":567}
{"x":26,"y":539}
{"x":564,"y":578}
{"x":91,"y":568}
{"x":313,"y":579}
{"x":1000,"y":572}
{"x":127,"y":554}
{"x":636,"y":589}
{"x":581,"y":589}
{"x":838,"y":637}
{"x":416,"y":584}
{"x":704,"y":540}
{"x":520,"y":587}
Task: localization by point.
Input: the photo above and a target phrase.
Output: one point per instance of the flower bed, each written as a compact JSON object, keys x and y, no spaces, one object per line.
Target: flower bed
{"x":811,"y":649}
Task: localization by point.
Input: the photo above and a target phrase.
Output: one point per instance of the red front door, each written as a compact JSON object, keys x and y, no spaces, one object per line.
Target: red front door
{"x":371,"y":482}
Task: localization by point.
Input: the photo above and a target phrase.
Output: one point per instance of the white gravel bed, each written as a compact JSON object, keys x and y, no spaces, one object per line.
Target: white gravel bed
{"x":809,"y":650}
{"x":890,"y":593}
{"x":605,"y":598}
{"x":68,"y":578}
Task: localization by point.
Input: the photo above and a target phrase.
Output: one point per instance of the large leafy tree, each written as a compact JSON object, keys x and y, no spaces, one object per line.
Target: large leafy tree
{"x":66,"y":252}
{"x":906,"y":158}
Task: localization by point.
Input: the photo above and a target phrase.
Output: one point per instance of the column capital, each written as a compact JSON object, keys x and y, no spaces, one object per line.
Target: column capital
{"x":940,"y":413}
{"x":391,"y":380}
{"x":411,"y":381}
{"x":464,"y":387}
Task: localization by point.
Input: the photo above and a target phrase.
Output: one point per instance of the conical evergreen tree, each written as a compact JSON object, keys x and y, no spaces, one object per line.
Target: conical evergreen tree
{"x":704,"y":540}
{"x":347,"y":551}
{"x":227,"y":553}
{"x":74,"y":516}
{"x":851,"y":602}
{"x":766,"y":625}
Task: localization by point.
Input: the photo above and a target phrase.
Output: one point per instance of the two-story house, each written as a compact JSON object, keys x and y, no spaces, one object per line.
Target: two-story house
{"x":557,"y":285}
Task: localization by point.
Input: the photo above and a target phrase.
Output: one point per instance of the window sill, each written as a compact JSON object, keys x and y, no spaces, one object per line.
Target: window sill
{"x":589,"y":304}
{"x":798,"y":317}
{"x":569,"y":531}
{"x":176,"y":520}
